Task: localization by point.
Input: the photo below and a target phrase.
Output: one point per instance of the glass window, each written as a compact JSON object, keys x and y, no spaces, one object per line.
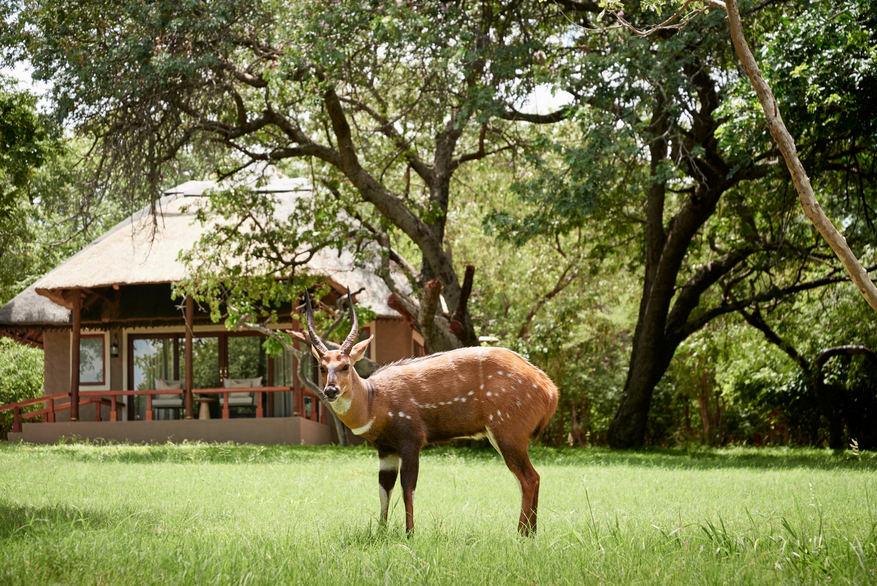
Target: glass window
{"x":284,"y":376}
{"x":205,"y":362}
{"x":154,"y":359}
{"x":91,"y":360}
{"x":247,"y":358}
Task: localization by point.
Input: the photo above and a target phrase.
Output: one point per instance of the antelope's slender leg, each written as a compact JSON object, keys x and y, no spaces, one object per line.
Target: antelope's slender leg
{"x":387,"y":473}
{"x":410,"y":456}
{"x":514,"y":452}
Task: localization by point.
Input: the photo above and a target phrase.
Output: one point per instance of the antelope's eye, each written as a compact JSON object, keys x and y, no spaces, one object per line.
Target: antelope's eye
{"x":346,"y":367}
{"x":323,"y":369}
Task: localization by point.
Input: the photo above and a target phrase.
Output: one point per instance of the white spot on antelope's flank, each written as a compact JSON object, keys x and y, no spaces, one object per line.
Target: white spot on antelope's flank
{"x":481,"y":387}
{"x":534,"y":386}
{"x":499,"y":372}
{"x":401,"y":414}
{"x":473,"y":392}
{"x":390,"y":413}
{"x":503,"y":390}
{"x":499,"y":413}
{"x":489,"y":376}
{"x":463,"y":399}
{"x":489,"y":393}
{"x":491,"y":416}
{"x":520,"y":381}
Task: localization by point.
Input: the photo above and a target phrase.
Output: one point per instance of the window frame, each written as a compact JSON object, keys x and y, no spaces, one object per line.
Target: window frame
{"x":104,"y":382}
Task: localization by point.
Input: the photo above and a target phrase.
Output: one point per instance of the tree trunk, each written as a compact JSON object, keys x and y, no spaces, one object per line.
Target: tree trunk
{"x":827,"y":405}
{"x":648,"y":362}
{"x":575,"y":438}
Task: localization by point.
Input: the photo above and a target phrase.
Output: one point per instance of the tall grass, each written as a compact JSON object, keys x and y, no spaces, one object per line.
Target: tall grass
{"x":223,"y":514}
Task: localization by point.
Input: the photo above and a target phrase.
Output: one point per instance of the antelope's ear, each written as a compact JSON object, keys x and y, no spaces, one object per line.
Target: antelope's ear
{"x":358,"y":351}
{"x":316,"y":354}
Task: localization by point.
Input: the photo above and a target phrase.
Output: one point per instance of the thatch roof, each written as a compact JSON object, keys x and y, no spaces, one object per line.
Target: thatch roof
{"x":28,"y":308}
{"x":144,"y":249}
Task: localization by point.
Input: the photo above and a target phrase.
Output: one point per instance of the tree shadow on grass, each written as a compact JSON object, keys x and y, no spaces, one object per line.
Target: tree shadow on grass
{"x":19,"y":521}
{"x":182,"y":453}
{"x":711,"y":458}
{"x":698,"y":458}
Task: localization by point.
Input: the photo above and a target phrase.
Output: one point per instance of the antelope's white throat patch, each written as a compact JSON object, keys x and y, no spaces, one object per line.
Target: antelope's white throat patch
{"x":341,"y":405}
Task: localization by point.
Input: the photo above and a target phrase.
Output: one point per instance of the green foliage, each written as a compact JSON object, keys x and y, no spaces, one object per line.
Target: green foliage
{"x":60,"y":209}
{"x":253,"y":260}
{"x":560,"y":302}
{"x":21,"y":377}
{"x":763,"y":391}
{"x":822,"y":64}
{"x":25,"y":144}
{"x":568,"y":180}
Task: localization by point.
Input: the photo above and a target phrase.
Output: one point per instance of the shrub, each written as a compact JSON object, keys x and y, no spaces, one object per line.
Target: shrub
{"x":21,"y":377}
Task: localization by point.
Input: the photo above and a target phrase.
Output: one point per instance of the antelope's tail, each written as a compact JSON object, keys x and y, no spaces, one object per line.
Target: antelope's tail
{"x":553,"y":395}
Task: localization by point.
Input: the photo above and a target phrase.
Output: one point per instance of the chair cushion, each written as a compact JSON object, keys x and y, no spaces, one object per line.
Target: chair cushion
{"x":242,"y":383}
{"x":241,"y":398}
{"x":166,"y":403}
{"x":168,"y":385}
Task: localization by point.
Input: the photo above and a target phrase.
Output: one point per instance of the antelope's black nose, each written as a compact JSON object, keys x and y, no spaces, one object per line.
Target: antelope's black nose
{"x":332,"y":392}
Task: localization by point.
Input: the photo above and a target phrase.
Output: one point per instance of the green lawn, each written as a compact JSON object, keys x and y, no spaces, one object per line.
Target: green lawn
{"x":221,"y":514}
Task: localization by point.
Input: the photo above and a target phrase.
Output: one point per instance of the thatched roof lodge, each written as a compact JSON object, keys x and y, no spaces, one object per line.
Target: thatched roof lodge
{"x":114,"y":338}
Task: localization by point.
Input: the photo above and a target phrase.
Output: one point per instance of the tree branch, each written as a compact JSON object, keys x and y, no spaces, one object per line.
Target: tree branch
{"x":513,"y":115}
{"x":565,"y":279}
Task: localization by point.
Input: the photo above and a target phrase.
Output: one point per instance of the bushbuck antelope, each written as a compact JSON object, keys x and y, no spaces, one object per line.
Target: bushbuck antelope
{"x":466,"y":393}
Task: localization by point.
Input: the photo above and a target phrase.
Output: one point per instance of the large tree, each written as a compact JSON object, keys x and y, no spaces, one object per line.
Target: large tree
{"x":674,"y":154}
{"x":382,"y":103}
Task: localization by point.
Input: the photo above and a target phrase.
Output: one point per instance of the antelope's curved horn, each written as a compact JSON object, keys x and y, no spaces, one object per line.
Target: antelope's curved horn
{"x":354,"y":328}
{"x":315,"y":339}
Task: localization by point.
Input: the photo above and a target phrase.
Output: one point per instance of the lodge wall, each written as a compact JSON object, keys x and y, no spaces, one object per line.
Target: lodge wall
{"x":56,"y":375}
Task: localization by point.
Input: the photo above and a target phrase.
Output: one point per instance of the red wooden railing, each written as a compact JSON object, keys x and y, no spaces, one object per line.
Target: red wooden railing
{"x":50,"y":408}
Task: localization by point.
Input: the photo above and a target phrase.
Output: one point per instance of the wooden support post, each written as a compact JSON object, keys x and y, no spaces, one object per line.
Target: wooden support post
{"x":296,"y":384}
{"x":259,"y":410}
{"x":114,"y":415}
{"x":16,"y":420}
{"x":271,"y":382}
{"x":74,"y":354}
{"x":226,"y":412}
{"x":190,"y":319}
{"x":149,"y":414}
